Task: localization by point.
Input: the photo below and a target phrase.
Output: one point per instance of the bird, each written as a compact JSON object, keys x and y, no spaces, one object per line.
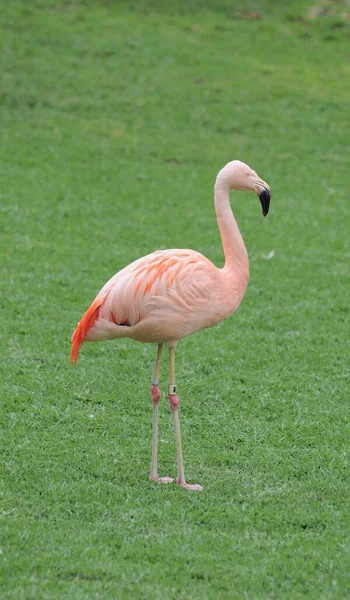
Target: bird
{"x":169,"y":294}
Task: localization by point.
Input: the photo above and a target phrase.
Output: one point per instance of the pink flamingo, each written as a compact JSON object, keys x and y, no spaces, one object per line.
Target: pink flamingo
{"x":169,"y":294}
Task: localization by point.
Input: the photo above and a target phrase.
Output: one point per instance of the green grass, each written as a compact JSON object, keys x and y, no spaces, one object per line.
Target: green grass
{"x":115,"y":118}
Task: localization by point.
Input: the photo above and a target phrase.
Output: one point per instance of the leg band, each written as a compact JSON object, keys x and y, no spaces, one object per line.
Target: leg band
{"x":174,"y":401}
{"x":155,"y":391}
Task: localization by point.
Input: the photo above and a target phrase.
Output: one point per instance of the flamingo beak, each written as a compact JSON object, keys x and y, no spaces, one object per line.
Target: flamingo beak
{"x":264,"y":197}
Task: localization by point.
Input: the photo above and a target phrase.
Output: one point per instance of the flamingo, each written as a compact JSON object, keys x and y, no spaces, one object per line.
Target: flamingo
{"x":170,"y":294}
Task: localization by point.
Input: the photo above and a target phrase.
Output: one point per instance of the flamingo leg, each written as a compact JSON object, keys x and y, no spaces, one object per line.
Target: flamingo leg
{"x":155,"y":391}
{"x":174,"y":402}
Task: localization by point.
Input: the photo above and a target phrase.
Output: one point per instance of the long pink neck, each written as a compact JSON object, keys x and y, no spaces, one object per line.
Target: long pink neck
{"x":236,"y":257}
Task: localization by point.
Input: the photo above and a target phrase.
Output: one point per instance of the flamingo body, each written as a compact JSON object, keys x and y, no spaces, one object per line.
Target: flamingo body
{"x":162,"y":297}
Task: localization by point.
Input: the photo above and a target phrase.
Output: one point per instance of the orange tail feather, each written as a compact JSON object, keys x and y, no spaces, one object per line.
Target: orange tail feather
{"x":87,"y":321}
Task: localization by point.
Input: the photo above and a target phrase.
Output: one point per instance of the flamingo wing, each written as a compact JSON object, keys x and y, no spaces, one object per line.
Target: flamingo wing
{"x":165,"y":293}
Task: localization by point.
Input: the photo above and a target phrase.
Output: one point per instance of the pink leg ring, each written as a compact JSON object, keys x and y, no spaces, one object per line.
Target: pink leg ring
{"x":174,"y":401}
{"x":155,"y":391}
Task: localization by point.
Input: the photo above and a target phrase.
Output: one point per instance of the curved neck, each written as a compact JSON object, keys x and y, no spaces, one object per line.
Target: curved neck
{"x":236,"y":257}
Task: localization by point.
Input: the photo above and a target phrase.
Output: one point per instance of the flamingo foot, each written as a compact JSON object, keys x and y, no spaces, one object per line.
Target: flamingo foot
{"x":191,"y":486}
{"x":161,"y":479}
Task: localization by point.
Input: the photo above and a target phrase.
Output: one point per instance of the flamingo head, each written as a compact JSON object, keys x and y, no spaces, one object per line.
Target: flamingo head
{"x":239,"y":176}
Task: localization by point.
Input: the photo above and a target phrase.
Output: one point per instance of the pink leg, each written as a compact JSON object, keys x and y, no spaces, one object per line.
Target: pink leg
{"x":155,"y":391}
{"x":174,"y":402}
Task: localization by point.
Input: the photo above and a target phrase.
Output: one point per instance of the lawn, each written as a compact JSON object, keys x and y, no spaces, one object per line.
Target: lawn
{"x":115,"y":118}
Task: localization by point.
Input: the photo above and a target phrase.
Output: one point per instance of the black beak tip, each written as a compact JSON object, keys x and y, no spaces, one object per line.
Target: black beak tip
{"x":265,"y":197}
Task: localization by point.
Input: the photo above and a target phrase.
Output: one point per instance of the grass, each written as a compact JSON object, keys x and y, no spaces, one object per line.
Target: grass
{"x":115,"y":119}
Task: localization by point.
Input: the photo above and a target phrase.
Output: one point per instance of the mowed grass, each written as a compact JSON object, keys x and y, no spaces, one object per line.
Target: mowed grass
{"x":115,"y":118}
